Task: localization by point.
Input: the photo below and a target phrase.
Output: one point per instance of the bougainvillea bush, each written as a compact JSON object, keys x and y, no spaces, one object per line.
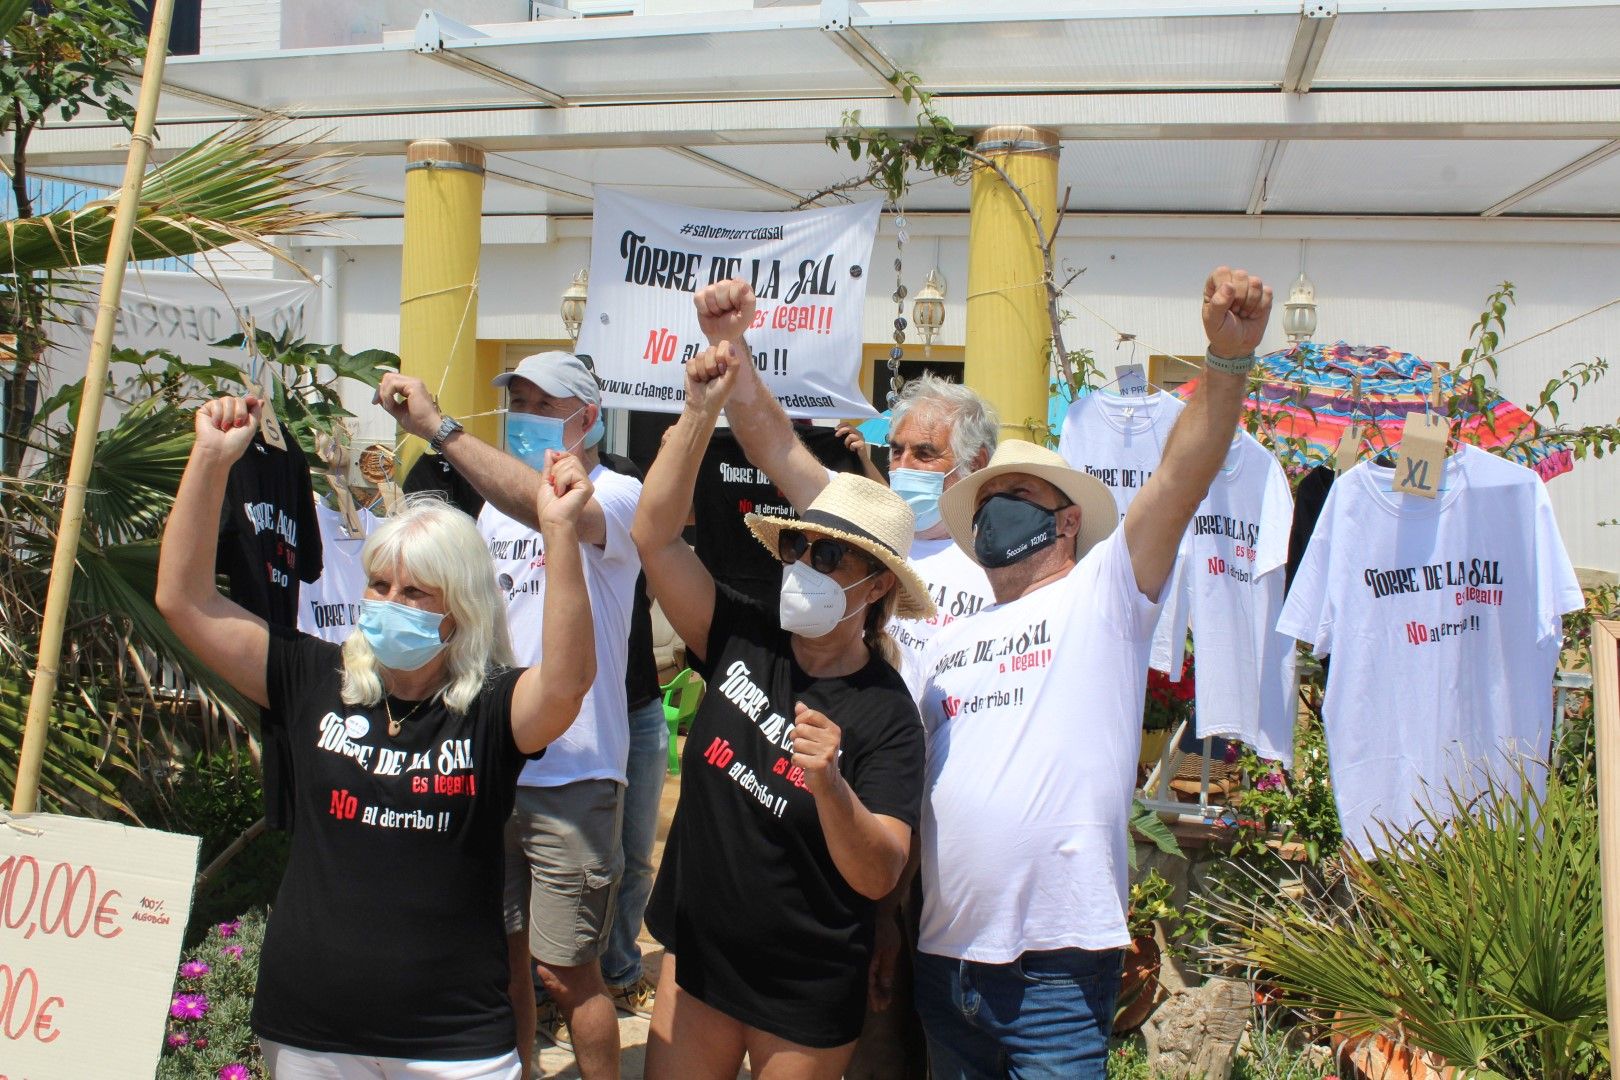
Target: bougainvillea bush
{"x":209,"y":1037}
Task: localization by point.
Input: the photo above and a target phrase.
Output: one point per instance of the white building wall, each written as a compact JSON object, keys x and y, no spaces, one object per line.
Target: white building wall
{"x":230,"y":26}
{"x":1420,"y":295}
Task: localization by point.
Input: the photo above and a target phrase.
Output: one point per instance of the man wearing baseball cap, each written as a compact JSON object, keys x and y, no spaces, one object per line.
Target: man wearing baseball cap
{"x":564,"y":858}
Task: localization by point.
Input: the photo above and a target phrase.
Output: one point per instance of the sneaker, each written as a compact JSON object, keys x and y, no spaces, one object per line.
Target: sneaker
{"x":549,"y":1024}
{"x":634,"y":998}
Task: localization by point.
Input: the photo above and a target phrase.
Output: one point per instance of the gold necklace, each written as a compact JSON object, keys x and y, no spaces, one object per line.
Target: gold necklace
{"x":396,"y":726}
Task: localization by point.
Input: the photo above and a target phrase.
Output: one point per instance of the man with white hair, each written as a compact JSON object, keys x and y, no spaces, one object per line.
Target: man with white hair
{"x":564,"y":854}
{"x":939,"y":432}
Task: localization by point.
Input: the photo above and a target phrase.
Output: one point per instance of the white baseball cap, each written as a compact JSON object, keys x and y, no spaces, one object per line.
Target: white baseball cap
{"x":559,"y":374}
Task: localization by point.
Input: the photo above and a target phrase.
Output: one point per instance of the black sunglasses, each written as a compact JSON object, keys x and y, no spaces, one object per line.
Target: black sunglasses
{"x":826,"y":554}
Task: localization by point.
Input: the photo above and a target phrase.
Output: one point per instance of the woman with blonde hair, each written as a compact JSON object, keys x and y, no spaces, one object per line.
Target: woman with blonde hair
{"x":802,"y":776}
{"x":385,"y":955}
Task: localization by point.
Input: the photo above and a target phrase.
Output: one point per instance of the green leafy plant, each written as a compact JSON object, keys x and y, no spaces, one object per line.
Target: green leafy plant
{"x":1475,"y":938}
{"x":209,"y":1035}
{"x":1296,"y":807}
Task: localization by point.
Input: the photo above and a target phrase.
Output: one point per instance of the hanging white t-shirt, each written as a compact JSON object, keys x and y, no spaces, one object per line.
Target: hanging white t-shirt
{"x":1034,"y":717}
{"x":597,"y":743}
{"x":1231,"y":591}
{"x":959,"y":588}
{"x":1443,"y":620}
{"x":1119,"y":438}
{"x":329,"y":607}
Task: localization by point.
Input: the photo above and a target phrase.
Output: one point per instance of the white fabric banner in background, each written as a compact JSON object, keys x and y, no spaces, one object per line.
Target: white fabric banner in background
{"x":184,"y":313}
{"x":808,"y":270}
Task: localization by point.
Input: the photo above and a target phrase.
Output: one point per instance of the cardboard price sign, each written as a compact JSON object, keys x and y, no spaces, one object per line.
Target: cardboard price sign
{"x":1423,"y":454}
{"x":91,"y":917}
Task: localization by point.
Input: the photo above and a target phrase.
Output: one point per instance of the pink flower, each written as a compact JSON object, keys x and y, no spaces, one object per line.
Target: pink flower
{"x":234,"y":1071}
{"x":178,"y":1039}
{"x":229,"y":929}
{"x":189,"y":1006}
{"x":1269,"y":782}
{"x":1231,"y":753}
{"x":233,"y":951}
{"x":193,"y":969}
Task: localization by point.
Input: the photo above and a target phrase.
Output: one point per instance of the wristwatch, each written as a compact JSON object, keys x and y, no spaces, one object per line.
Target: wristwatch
{"x":447,"y":427}
{"x":1236,"y":365}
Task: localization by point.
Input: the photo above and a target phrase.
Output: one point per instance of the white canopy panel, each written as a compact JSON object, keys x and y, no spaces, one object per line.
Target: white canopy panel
{"x":1399,"y":107}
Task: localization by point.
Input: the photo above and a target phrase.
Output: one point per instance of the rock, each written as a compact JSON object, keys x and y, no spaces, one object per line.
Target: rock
{"x":1194,"y":1035}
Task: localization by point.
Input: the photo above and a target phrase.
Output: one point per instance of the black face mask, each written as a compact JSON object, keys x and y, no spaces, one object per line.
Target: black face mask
{"x":1008,"y":530}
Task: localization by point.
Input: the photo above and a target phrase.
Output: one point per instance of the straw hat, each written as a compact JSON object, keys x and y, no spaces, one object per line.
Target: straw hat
{"x":866,"y":515}
{"x":1098,"y":513}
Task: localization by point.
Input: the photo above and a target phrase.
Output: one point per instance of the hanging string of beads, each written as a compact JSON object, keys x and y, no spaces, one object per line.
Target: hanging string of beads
{"x":896,"y":353}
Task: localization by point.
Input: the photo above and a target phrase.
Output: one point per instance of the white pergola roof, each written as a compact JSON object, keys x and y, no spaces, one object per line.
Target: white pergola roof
{"x":1400,"y":107}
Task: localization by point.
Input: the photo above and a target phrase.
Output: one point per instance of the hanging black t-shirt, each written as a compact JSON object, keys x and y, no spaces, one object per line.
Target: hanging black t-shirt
{"x":1309,"y":498}
{"x":387,"y":937}
{"x":641,"y":667}
{"x":433,"y":472}
{"x":729,"y":487}
{"x":269,"y":537}
{"x":764,"y":927}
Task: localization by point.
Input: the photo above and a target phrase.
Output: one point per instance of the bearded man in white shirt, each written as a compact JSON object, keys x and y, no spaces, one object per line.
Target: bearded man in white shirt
{"x":1033,"y":708}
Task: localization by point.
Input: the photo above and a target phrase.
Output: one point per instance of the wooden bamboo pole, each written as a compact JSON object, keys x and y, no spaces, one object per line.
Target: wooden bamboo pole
{"x":1606,"y":705}
{"x":25,"y":799}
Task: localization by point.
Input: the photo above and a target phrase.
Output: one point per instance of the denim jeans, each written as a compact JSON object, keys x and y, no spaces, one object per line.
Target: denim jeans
{"x":1045,"y":1016}
{"x":644,"y":771}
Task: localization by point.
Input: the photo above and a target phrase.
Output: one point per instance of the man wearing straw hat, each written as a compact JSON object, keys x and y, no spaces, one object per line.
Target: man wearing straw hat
{"x":1033,"y":708}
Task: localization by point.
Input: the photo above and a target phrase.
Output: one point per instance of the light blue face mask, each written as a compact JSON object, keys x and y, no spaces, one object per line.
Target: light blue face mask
{"x":528,"y":437}
{"x":598,"y":429}
{"x":921,"y":489}
{"x":404,"y":638}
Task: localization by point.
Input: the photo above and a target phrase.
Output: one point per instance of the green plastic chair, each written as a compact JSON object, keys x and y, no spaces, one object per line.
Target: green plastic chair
{"x":681,"y":698}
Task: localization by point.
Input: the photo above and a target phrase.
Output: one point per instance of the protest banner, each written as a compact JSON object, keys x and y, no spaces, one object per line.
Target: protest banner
{"x":807,"y":268}
{"x":91,"y":919}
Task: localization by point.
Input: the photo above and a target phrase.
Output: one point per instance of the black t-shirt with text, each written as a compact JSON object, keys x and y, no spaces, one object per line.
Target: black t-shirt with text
{"x":729,"y":487}
{"x":433,"y":472}
{"x":764,"y":927}
{"x":269,"y":537}
{"x":641,"y":667}
{"x":387,"y":937}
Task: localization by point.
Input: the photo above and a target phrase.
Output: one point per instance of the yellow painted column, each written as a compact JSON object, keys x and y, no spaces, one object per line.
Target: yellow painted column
{"x":1009,"y":332}
{"x":438,"y":295}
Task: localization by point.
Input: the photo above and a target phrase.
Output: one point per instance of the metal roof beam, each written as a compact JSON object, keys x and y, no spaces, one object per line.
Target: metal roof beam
{"x":1254,"y":116}
{"x":735,"y":173}
{"x":434,"y":32}
{"x":838,"y":19}
{"x":1316,"y":21}
{"x":1579,"y":165}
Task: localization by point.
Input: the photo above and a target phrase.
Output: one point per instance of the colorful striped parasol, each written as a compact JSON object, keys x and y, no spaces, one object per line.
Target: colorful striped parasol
{"x":1306,"y":401}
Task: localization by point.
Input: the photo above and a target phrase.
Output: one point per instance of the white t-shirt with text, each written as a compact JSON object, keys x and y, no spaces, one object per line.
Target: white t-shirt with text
{"x":329,"y":608}
{"x":1119,"y":438}
{"x":1034,"y":717}
{"x":597,"y":744}
{"x":1231,"y":591}
{"x":959,"y":588}
{"x":1442,"y":617}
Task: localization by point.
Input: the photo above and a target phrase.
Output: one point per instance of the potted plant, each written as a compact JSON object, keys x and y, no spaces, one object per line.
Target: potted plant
{"x":1167,"y":705}
{"x":1139,"y":991}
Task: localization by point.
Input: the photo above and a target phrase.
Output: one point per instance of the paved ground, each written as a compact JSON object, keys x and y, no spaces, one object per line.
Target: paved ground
{"x":556,"y":1062}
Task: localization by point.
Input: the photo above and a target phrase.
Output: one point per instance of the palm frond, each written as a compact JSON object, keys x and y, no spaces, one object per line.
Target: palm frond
{"x":231,"y":188}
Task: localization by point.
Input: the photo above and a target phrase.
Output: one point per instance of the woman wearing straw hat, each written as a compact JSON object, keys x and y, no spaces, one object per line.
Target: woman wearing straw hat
{"x":802,"y":775}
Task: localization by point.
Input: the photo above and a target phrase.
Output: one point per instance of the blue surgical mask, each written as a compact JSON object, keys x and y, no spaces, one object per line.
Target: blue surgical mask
{"x":921,"y":489}
{"x":404,"y":638}
{"x":598,"y":429}
{"x":528,"y":437}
